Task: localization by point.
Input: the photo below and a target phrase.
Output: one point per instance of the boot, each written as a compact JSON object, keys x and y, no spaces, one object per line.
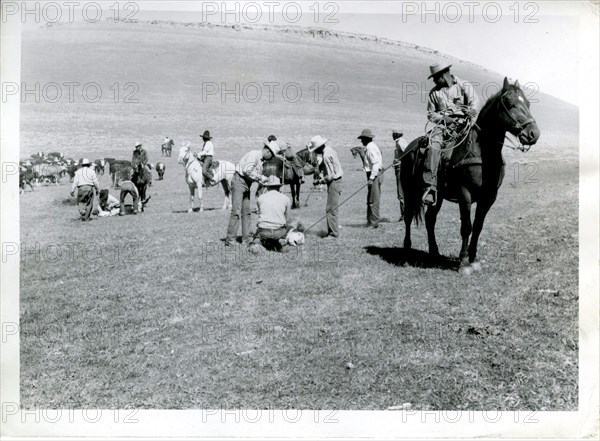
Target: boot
{"x":122,"y":209}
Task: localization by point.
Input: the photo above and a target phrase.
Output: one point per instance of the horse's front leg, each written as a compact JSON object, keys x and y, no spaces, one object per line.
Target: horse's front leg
{"x":199,"y":187}
{"x":480,"y":213}
{"x":192,"y":194}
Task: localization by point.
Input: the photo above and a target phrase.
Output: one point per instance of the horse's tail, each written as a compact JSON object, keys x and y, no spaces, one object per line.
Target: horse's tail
{"x":411,"y":178}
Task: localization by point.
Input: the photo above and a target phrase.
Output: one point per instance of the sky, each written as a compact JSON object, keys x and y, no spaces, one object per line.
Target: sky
{"x":535,"y":42}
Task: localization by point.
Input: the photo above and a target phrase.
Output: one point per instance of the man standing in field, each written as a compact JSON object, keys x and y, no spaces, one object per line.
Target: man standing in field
{"x":373,"y":166}
{"x":247,"y":171}
{"x":332,"y":172}
{"x":85,"y":182}
{"x":206,"y":156}
{"x":450,"y":102}
{"x":274,"y":218}
{"x":401,"y":144}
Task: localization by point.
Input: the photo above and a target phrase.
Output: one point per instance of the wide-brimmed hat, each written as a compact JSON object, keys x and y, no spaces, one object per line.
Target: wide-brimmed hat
{"x":397,"y":132}
{"x":137,"y":144}
{"x":206,"y":135}
{"x":316,"y":142}
{"x":272,"y":138}
{"x":366,"y":134}
{"x":273,"y":181}
{"x":438,"y":69}
{"x":273,"y":146}
{"x":85,"y":161}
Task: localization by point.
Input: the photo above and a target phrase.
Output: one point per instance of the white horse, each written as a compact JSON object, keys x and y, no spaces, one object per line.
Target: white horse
{"x":194,"y":178}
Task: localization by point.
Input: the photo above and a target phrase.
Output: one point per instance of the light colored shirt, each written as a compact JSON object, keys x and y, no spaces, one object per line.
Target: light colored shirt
{"x":112,"y":202}
{"x":274,"y":210}
{"x":443,"y":101}
{"x":401,"y":145}
{"x":373,"y":159}
{"x":208,"y":149}
{"x":251,"y":165}
{"x":85,"y":176}
{"x":330,"y":165}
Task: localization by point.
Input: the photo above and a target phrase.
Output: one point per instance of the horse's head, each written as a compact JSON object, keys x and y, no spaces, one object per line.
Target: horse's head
{"x":184,"y":154}
{"x":515,"y":114}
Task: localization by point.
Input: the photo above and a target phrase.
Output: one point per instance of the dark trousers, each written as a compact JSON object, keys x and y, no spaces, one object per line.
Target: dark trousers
{"x":373,"y":197}
{"x":399,"y":189}
{"x":334,"y":192}
{"x":207,"y":167}
{"x":129,"y":188}
{"x":269,"y":237}
{"x":85,"y":200}
{"x":432,"y":158}
{"x":240,"y":209}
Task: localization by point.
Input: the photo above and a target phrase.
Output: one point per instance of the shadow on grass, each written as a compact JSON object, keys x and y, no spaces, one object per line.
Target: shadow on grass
{"x":414,"y":258}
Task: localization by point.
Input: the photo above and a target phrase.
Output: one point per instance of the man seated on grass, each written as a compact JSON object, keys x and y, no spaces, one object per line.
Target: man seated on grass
{"x":274,"y":218}
{"x":109,"y":205}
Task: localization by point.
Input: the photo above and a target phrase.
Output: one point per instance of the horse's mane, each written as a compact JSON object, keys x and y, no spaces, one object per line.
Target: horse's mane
{"x":491,"y":101}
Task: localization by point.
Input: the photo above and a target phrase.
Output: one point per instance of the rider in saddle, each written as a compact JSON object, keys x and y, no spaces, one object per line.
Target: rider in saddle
{"x":450,"y":103}
{"x":139,"y":157}
{"x":206,"y":156}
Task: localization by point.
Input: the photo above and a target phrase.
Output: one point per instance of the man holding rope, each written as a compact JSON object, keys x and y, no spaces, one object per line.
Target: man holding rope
{"x":332,"y":176}
{"x":373,"y":167}
{"x":446,"y":99}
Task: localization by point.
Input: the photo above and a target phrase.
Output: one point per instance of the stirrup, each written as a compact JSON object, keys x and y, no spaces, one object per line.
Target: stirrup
{"x":429,"y":197}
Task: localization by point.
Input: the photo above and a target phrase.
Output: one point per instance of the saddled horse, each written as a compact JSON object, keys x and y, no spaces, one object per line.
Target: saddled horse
{"x":223,"y":172}
{"x":142,"y":178}
{"x":167,"y":147}
{"x":472,"y":174}
{"x":301,"y":163}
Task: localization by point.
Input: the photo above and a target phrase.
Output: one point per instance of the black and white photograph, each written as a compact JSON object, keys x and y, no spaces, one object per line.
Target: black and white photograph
{"x":312,"y":219}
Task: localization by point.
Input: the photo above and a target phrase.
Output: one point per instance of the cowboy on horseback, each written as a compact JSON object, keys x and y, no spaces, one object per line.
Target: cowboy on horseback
{"x":205,"y":156}
{"x":451,"y":102}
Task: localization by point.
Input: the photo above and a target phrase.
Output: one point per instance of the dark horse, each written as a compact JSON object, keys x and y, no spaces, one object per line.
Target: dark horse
{"x":473,"y":173}
{"x":142,"y":178}
{"x":303,"y":163}
{"x":291,"y":170}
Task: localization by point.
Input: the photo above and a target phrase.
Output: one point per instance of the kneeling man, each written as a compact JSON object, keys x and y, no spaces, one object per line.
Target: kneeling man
{"x":274,"y":217}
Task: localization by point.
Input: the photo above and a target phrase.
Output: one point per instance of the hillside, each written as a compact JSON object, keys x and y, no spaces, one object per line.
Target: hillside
{"x":169,"y":63}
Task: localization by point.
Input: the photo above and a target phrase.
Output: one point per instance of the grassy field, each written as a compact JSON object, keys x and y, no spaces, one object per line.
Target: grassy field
{"x":153,"y":311}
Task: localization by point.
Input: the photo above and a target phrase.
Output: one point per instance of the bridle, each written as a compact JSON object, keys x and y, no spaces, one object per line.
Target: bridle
{"x":519,"y":126}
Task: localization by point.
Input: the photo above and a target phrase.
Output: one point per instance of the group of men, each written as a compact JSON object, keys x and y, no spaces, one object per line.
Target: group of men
{"x":86,"y":185}
{"x":451,"y":102}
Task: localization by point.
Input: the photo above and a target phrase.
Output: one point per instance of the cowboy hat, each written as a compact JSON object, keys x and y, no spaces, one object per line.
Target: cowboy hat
{"x":316,"y":142}
{"x":272,"y":146}
{"x":137,"y":144}
{"x":85,"y":161}
{"x":206,"y":135}
{"x":438,"y":69}
{"x":273,"y":181}
{"x":397,"y":132}
{"x":366,"y":134}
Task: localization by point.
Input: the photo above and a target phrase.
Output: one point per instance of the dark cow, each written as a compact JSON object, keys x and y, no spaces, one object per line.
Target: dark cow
{"x":26,"y":177}
{"x":160,"y":169}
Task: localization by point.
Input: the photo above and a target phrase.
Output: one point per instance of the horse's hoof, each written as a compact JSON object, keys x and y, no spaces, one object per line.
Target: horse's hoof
{"x":465,"y":270}
{"x":476,"y":266}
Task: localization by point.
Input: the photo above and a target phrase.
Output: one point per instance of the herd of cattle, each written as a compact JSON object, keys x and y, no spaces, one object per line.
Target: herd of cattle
{"x":54,"y":166}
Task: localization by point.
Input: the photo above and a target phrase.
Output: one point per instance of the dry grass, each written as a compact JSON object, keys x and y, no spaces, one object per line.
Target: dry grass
{"x":154,"y":313}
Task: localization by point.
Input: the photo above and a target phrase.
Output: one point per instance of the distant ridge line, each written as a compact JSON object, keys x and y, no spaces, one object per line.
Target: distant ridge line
{"x":311,"y":31}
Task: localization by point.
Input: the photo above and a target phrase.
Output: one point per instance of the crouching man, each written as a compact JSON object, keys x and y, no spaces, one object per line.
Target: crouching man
{"x":128,"y":187}
{"x":274,"y":218}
